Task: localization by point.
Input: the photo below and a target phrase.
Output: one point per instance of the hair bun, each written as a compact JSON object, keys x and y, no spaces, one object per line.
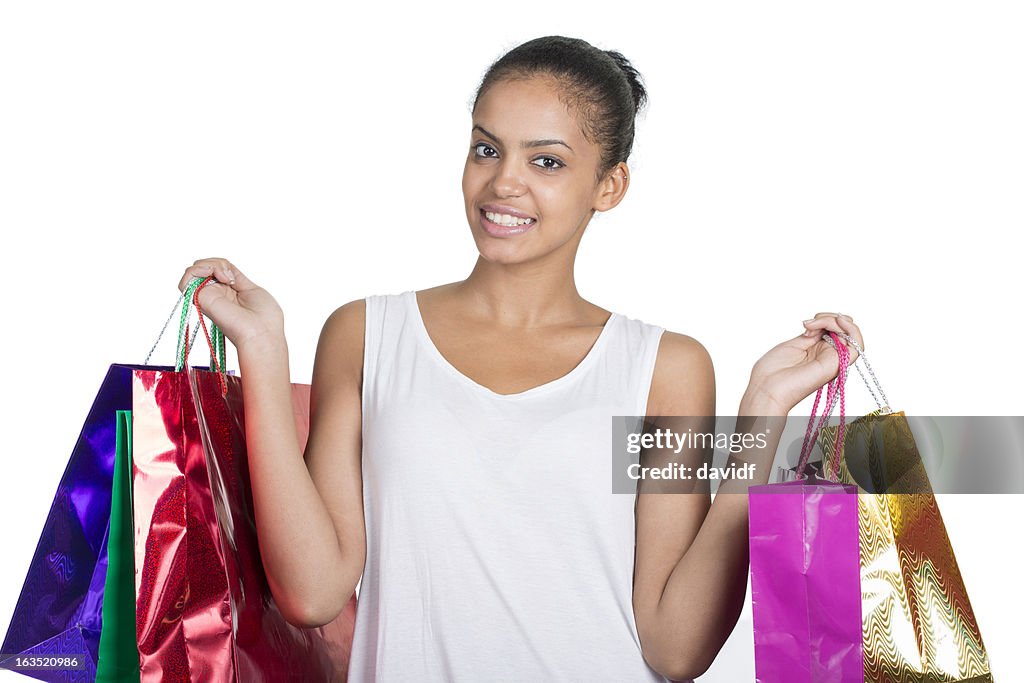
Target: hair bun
{"x":635,"y":82}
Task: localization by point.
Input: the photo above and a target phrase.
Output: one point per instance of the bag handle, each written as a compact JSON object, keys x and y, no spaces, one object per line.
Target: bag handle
{"x":164,"y":329}
{"x":836,"y":386}
{"x":883,"y":407}
{"x":217,"y":351}
{"x":215,"y":339}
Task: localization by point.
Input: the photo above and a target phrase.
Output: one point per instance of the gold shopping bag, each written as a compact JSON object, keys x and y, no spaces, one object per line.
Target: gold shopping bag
{"x":917,"y":620}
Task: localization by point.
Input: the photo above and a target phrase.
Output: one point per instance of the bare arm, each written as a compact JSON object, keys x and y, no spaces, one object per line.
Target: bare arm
{"x":692,"y":562}
{"x":308,"y":506}
{"x":692,"y":555}
{"x":309,"y":513}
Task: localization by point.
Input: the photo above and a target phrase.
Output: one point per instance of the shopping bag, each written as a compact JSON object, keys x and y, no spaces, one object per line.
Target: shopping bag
{"x":805,"y":582}
{"x":918,"y":623}
{"x":118,"y":660}
{"x":59,"y":610}
{"x":59,"y":613}
{"x":204,"y":611}
{"x":805,"y":578}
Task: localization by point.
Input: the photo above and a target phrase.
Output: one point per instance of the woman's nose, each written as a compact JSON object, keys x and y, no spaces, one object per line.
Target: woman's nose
{"x":507,"y":181}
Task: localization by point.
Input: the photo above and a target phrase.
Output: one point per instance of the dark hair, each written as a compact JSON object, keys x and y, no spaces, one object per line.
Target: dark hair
{"x":600,"y":85}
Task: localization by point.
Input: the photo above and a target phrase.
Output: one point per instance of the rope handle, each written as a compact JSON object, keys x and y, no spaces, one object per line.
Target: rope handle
{"x":217,"y":352}
{"x":836,"y":386}
{"x":215,"y":339}
{"x":167,"y":322}
{"x":883,"y":405}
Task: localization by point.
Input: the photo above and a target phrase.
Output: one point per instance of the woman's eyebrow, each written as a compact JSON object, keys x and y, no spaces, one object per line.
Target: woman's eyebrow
{"x":526,"y":144}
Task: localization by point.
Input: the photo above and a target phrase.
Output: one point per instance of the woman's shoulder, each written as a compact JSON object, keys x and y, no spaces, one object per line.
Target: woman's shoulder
{"x":675,"y":346}
{"x":346,"y":316}
{"x":352,"y":314}
{"x":684,"y":375}
{"x":342,"y":338}
{"x":345,"y":330}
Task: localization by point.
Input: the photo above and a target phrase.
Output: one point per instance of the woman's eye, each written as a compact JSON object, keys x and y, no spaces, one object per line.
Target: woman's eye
{"x":558,"y":164}
{"x":485,"y":151}
{"x":485,"y":146}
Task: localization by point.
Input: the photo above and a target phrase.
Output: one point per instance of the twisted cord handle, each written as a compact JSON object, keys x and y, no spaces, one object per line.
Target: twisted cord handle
{"x":217,"y":353}
{"x":883,"y":405}
{"x":836,"y":386}
{"x":181,"y":298}
{"x":215,"y":339}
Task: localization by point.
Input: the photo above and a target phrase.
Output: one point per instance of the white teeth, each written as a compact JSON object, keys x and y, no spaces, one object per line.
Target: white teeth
{"x":505,"y":219}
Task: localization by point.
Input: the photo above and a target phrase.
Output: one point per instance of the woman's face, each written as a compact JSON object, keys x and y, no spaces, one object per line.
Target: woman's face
{"x":528,"y":158}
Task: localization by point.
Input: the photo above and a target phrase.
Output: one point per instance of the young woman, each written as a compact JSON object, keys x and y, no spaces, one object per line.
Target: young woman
{"x":457,"y":459}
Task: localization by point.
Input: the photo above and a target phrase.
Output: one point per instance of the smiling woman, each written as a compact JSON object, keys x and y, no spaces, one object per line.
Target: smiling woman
{"x":553,"y":125}
{"x":456,"y":458}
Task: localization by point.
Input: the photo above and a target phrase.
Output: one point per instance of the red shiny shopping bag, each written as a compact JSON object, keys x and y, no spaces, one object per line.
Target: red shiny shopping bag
{"x":204,"y":610}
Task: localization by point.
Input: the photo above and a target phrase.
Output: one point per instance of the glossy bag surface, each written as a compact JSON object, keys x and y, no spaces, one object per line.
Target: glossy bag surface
{"x":59,"y":611}
{"x":118,"y":660}
{"x":805,"y":582}
{"x":204,"y":610}
{"x":918,"y":623}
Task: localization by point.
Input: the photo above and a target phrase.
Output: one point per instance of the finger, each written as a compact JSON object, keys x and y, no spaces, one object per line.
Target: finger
{"x":223,"y":271}
{"x":218,"y":268}
{"x":202,"y":271}
{"x":816,"y":325}
{"x":819,"y":325}
{"x":819,"y":315}
{"x":839,"y":325}
{"x":821,"y":320}
{"x":813,"y":327}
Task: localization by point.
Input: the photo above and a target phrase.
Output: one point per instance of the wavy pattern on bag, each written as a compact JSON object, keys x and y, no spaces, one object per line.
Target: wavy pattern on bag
{"x":918,"y":625}
{"x":887,"y":624}
{"x":917,"y":619}
{"x":62,"y":645}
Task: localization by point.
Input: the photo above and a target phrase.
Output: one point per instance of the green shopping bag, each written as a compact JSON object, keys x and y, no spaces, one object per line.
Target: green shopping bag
{"x":119,"y":652}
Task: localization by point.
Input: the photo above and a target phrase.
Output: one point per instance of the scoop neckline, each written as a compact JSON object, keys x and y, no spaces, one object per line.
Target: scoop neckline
{"x":595,"y":350}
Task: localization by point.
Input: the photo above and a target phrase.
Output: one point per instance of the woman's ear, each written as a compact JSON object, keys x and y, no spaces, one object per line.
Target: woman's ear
{"x":612,"y":187}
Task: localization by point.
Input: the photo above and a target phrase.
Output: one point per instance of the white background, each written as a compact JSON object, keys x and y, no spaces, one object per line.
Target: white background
{"x":794,"y":158}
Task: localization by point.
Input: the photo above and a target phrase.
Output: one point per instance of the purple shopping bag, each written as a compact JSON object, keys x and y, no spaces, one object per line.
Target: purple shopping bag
{"x":805,"y":569}
{"x":805,"y":582}
{"x":59,"y":611}
{"x":58,"y":617}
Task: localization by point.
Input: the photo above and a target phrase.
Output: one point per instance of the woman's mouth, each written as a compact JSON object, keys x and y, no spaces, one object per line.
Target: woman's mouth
{"x":504,"y":225}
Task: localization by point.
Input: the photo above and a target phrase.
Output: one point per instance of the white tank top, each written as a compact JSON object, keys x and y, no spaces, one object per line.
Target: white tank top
{"x":496,"y":550}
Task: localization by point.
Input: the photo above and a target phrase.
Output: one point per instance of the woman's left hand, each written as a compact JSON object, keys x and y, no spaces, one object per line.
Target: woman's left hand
{"x":796,"y":368}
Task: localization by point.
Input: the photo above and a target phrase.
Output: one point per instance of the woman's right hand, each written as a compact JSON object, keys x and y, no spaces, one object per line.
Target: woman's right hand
{"x":796,"y":368}
{"x":245,"y":312}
